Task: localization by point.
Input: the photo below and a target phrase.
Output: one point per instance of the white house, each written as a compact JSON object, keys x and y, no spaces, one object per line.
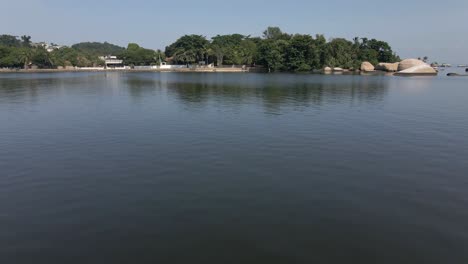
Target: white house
{"x":49,"y":47}
{"x":112,"y":61}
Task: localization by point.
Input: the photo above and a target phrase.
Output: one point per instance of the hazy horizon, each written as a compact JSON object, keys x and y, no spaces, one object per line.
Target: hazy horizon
{"x":432,"y":29}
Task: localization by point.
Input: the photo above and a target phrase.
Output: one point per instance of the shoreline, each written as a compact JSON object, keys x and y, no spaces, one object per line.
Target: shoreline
{"x":222,"y":70}
{"x":189,"y":70}
{"x":210,"y":70}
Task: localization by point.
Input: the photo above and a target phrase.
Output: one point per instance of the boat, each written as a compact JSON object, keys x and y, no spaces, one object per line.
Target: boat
{"x":457,"y":74}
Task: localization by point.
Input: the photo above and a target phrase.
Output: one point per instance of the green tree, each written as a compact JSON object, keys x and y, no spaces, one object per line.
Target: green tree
{"x":248,"y":51}
{"x":98,"y":49}
{"x":160,"y":56}
{"x":136,"y":55}
{"x":272,"y":53}
{"x":64,"y":57}
{"x":25,"y":56}
{"x":301,"y":54}
{"x":320,"y":51}
{"x":233,"y":49}
{"x":275,"y":33}
{"x":26,"y":41}
{"x":9,"y":57}
{"x":41,"y":58}
{"x":226,"y":46}
{"x":384,"y":50}
{"x":340,"y":53}
{"x":71,"y":57}
{"x":188,"y":49}
{"x":376,"y":50}
{"x":4,"y":51}
{"x":9,"y":41}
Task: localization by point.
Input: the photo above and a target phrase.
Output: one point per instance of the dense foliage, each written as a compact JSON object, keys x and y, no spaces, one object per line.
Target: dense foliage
{"x":135,"y":55}
{"x":98,"y":49}
{"x":233,"y":49}
{"x":275,"y":50}
{"x":20,"y":53}
{"x":283,"y":52}
{"x":72,"y":57}
{"x":279,"y":51}
{"x":188,"y":49}
{"x":9,"y":41}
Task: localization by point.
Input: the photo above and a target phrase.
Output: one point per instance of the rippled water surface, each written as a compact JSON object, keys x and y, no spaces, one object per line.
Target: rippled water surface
{"x":233,"y":168}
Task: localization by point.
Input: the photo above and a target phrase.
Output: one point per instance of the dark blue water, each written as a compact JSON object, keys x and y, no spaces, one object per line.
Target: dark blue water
{"x":233,"y":168}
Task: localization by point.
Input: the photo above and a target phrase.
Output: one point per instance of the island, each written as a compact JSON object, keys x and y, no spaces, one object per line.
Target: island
{"x":274,"y":51}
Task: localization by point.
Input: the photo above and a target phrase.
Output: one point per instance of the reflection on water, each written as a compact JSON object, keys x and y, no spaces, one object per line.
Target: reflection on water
{"x":295,"y":91}
{"x":272,"y":92}
{"x":232,"y":168}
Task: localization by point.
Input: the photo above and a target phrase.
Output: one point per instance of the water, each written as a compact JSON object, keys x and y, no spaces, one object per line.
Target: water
{"x":233,"y":168}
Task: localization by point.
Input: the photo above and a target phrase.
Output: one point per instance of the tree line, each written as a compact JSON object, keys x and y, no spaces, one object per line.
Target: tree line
{"x":21,"y":53}
{"x":274,"y":50}
{"x":279,"y":51}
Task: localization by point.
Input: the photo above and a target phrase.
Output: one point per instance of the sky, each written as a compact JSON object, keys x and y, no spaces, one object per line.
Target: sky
{"x":437,"y":29}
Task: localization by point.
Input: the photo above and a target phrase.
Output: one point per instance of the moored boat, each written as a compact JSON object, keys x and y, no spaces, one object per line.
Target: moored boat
{"x":457,"y":74}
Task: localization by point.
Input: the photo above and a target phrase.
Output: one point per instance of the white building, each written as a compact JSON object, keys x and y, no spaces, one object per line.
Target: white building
{"x":112,"y":61}
{"x":49,"y":47}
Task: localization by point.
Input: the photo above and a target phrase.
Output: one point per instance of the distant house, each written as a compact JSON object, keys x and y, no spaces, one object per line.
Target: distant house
{"x":112,"y":62}
{"x":169,"y":60}
{"x":49,"y":47}
{"x":53,"y":47}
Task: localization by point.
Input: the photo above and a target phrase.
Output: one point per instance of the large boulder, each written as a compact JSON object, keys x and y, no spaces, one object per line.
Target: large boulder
{"x":327,"y":69}
{"x":367,"y":67}
{"x":423,"y":69}
{"x":409,"y":63}
{"x":388,"y":67}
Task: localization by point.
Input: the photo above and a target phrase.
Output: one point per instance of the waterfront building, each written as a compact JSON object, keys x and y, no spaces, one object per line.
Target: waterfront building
{"x":112,"y":62}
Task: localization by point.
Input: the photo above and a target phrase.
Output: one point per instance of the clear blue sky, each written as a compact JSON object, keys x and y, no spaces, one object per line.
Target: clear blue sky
{"x":438,"y":29}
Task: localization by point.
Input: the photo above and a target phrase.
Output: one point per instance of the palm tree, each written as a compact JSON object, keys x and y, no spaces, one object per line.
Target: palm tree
{"x":26,"y":41}
{"x":25,"y":57}
{"x":47,"y":57}
{"x":219,"y":52}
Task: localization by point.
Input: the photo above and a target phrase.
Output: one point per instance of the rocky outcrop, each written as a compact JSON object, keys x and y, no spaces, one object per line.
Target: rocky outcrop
{"x":338,"y":69}
{"x":409,"y":63}
{"x":327,"y":69}
{"x":415,"y":67}
{"x":388,"y":67}
{"x":423,"y":69}
{"x":367,"y":67}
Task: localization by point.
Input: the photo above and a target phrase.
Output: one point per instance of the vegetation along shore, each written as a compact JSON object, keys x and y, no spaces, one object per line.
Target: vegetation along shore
{"x":274,"y":51}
